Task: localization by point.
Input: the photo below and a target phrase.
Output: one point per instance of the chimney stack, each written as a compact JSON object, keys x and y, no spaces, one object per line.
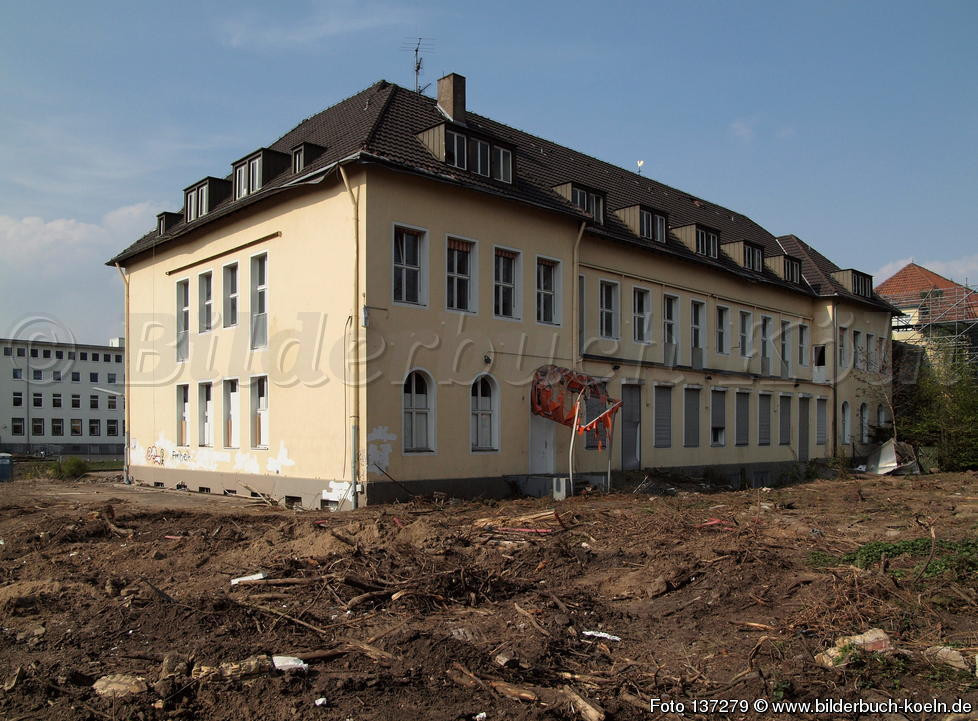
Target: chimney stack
{"x":451,"y":96}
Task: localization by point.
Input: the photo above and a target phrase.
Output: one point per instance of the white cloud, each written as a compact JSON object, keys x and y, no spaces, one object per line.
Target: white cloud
{"x":258,"y":30}
{"x":56,"y":268}
{"x":960,"y":270}
{"x":743,"y":129}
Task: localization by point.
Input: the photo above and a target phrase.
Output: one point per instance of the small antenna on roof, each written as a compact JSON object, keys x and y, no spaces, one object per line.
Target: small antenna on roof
{"x":418,"y":46}
{"x":639,"y":163}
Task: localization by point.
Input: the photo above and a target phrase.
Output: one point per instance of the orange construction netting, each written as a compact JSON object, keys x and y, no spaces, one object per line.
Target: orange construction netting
{"x":557,"y":393}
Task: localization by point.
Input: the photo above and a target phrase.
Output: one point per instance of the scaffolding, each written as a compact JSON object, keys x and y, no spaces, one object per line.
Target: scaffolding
{"x":943,"y":319}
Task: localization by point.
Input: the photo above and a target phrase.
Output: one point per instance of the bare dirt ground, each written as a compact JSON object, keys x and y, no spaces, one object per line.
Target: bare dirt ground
{"x":424,"y":611}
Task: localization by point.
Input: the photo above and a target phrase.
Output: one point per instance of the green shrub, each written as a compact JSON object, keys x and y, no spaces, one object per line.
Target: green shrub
{"x":71,"y":467}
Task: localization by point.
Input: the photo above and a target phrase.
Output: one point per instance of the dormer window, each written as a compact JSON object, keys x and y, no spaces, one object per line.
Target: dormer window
{"x":455,"y":150}
{"x":502,"y":164}
{"x":707,"y":242}
{"x":652,"y":225}
{"x":590,"y":202}
{"x":195,"y":204}
{"x":792,"y":270}
{"x":862,"y":284}
{"x":160,"y":226}
{"x":247,"y":177}
{"x":298,"y":162}
{"x":753,"y":257}
{"x":480,"y":157}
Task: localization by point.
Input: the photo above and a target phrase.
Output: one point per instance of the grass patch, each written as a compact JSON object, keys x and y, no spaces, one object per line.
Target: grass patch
{"x":957,"y":558}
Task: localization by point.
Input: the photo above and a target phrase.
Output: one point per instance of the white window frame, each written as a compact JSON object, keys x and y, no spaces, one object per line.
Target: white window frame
{"x":841,"y":342}
{"x":494,"y":413}
{"x":453,"y":141}
{"x":502,"y":164}
{"x":258,"y":290}
{"x":746,"y":336}
{"x":183,"y":320}
{"x":697,"y":330}
{"x":792,"y":270}
{"x":429,"y":413}
{"x":229,"y":317}
{"x":205,"y":301}
{"x":785,"y":345}
{"x":670,"y":326}
{"x":804,"y":352}
{"x":557,"y":293}
{"x":590,"y":202}
{"x":858,"y":362}
{"x":205,"y":414}
{"x":254,"y":174}
{"x":766,"y":336}
{"x":240,"y":181}
{"x":259,"y":413}
{"x":845,"y":426}
{"x":190,"y":205}
{"x":707,"y":242}
{"x":643,"y":321}
{"x":614,"y":310}
{"x":722,"y":330}
{"x":231,"y":413}
{"x":517,"y":284}
{"x":753,"y":257}
{"x":477,"y":167}
{"x":472,"y":299}
{"x":422,"y":267}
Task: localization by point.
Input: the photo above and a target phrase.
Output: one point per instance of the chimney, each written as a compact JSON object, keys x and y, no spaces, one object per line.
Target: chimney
{"x":451,"y":96}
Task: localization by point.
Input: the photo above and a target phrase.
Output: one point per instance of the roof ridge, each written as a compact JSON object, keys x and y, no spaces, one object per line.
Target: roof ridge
{"x":391,"y":91}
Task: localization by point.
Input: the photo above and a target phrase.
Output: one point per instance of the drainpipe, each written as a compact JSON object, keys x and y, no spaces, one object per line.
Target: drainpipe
{"x":125,"y":355}
{"x":575,"y":311}
{"x":355,"y":429}
{"x":835,"y":378}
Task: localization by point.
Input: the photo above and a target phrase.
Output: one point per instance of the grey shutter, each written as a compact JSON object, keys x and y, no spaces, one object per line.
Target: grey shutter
{"x":764,"y":420}
{"x":719,"y":409}
{"x":691,"y":418}
{"x":821,"y":430}
{"x":743,"y":419}
{"x":784,"y":417}
{"x":663,"y":416}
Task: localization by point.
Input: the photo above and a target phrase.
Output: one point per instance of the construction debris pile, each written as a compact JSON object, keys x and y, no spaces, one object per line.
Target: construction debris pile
{"x":584,"y":609}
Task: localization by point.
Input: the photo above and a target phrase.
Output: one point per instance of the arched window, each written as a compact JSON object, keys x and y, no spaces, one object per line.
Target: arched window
{"x":863,"y":423}
{"x":880,"y":415}
{"x":419,"y":427}
{"x":846,"y":423}
{"x":484,"y":409}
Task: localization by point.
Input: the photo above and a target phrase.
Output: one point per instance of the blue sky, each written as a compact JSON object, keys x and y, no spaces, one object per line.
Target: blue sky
{"x":853,"y":125}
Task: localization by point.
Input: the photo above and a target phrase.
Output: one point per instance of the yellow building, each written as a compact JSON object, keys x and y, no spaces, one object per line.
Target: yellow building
{"x":368,"y":297}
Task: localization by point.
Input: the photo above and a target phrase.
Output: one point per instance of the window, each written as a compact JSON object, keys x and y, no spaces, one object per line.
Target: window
{"x":785,"y":345}
{"x":821,"y":421}
{"x":792,"y":270}
{"x":82,"y":355}
{"x":38,"y":375}
{"x":37,"y":426}
{"x":93,"y":401}
{"x":57,"y":426}
{"x":652,"y":225}
{"x":483,"y":424}
{"x":641,"y":315}
{"x":93,"y":377}
{"x":696,"y":324}
{"x":803,"y":345}
{"x":863,"y":423}
{"x":75,"y":377}
{"x":195,"y":205}
{"x":590,"y":203}
{"x":862,"y":284}
{"x":707,"y":242}
{"x":110,"y":402}
{"x":663,"y":416}
{"x":254,"y":174}
{"x":669,"y":319}
{"x":846,"y":434}
{"x":33,"y":352}
{"x":232,"y":412}
{"x":16,"y":426}
{"x":56,"y":400}
{"x":59,"y":354}
{"x":455,"y":147}
{"x":723,"y":320}
{"x":718,"y":418}
{"x":753,"y":257}
{"x":37,"y":400}
{"x":764,"y":419}
{"x":7,"y":350}
{"x":183,"y":320}
{"x":205,"y":415}
{"x":880,"y":416}
{"x":870,"y":345}
{"x":56,"y":376}
{"x":183,"y":414}
{"x":746,"y":335}
{"x":298,"y":161}
{"x":742,"y":413}
{"x":608,"y":309}
{"x":691,"y":417}
{"x":76,"y":427}
{"x":205,"y":299}
{"x":112,"y":427}
{"x":408,"y":281}
{"x":118,"y":359}
{"x":75,"y":400}
{"x":548,"y":280}
{"x":94,"y":427}
{"x":502,"y":165}
{"x":240,"y":181}
{"x":111,"y":378}
{"x":818,"y":354}
{"x":784,"y":420}
{"x":230,"y":290}
{"x":842,"y":348}
{"x":18,"y":399}
{"x":259,"y":301}
{"x":46,"y":353}
{"x":418,"y":413}
{"x":858,"y":359}
{"x":505,"y":275}
{"x":480,"y":157}
{"x":18,"y":373}
{"x":459,"y":274}
{"x":259,"y":412}
{"x":765,"y":337}
{"x":596,"y":438}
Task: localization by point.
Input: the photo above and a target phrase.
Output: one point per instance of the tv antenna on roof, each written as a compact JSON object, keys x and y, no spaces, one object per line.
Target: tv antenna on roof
{"x":418,"y":46}
{"x":639,"y":163}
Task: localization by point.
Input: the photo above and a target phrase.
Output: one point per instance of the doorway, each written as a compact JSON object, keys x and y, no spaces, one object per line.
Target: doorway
{"x":541,"y":445}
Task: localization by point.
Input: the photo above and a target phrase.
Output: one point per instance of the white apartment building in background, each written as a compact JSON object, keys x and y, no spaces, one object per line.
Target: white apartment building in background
{"x":62,"y":398}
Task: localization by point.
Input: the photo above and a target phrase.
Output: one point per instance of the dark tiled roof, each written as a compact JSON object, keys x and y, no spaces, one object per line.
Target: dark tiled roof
{"x":381,"y":125}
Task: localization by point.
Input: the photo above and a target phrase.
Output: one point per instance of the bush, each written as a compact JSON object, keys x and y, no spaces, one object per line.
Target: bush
{"x":71,"y":467}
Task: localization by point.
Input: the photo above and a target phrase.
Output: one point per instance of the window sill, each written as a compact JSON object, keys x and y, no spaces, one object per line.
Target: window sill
{"x":510,"y":318}
{"x":409,"y":304}
{"x":484,"y":450}
{"x":419,"y":451}
{"x":549,"y":323}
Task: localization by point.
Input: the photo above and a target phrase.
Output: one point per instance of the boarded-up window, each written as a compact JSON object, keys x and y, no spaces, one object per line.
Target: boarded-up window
{"x":743,"y":419}
{"x":764,"y":420}
{"x":718,"y":418}
{"x":821,"y":429}
{"x":784,"y":420}
{"x":663,"y":416}
{"x":691,"y":417}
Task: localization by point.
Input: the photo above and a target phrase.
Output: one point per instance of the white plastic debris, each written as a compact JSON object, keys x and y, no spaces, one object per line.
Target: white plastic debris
{"x":252,"y":577}
{"x":321,"y":701}
{"x":601,"y":634}
{"x":289,"y":663}
{"x":481,"y":716}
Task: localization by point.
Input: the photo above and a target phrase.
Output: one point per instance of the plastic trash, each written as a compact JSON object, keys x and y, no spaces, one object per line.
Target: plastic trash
{"x":252,"y":577}
{"x":289,"y":663}
{"x":321,"y":701}
{"x":601,"y":634}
